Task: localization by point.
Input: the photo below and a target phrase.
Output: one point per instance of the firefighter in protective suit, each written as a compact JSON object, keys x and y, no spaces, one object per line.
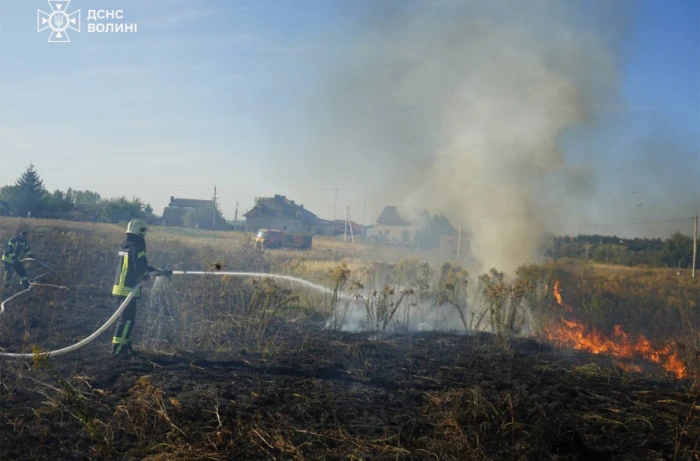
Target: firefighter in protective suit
{"x":133,"y":267}
{"x":17,"y":249}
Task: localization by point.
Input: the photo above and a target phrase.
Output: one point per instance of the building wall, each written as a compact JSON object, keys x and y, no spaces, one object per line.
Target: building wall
{"x":392,"y":233}
{"x":173,"y":216}
{"x":448,"y":243}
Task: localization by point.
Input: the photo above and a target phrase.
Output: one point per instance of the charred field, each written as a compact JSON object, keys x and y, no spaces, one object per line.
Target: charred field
{"x":325,"y":395}
{"x":242,"y":369}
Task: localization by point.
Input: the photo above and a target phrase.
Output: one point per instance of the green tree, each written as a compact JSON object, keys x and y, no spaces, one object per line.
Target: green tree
{"x":9,"y":194}
{"x":56,"y":202}
{"x":678,"y":250}
{"x":86,"y":197}
{"x":29,"y":192}
{"x":120,"y":209}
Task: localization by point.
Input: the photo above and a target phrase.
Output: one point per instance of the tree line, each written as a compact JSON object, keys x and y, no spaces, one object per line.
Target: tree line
{"x":29,"y":198}
{"x":675,"y":251}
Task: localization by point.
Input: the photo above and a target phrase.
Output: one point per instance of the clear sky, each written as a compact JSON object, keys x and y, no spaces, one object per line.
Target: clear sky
{"x":214,"y":92}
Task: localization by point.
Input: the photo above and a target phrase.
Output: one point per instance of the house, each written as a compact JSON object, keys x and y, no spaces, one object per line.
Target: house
{"x":399,"y":226}
{"x":174,"y":213}
{"x":279,"y":212}
{"x":451,"y":241}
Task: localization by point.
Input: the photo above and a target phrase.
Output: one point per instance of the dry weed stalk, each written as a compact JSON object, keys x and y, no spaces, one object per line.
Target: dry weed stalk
{"x":340,"y":275}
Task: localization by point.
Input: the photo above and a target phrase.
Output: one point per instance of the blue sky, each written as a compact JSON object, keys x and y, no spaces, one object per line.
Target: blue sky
{"x":211,"y":92}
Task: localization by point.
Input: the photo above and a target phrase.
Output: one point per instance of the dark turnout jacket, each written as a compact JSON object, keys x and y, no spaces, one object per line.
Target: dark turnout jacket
{"x":132,"y":267}
{"x":16,"y":249}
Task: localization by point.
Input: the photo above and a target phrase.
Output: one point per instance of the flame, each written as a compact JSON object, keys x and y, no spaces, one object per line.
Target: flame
{"x":572,"y":334}
{"x":629,"y":367}
{"x":557,"y":293}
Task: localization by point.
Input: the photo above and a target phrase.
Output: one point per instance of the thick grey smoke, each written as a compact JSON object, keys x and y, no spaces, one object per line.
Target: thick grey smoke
{"x":462,"y":108}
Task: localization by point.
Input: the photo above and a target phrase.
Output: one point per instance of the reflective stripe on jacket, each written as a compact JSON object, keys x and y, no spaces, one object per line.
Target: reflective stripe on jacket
{"x":133,"y":265}
{"x":15,"y":250}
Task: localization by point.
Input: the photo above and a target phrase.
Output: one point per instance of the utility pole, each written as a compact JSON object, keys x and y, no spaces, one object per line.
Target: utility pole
{"x":459,"y":238}
{"x":335,"y":205}
{"x":364,"y":213}
{"x":352,"y":233}
{"x":347,"y":217}
{"x":235,"y":217}
{"x":695,"y":243}
{"x":348,"y":223}
{"x":213,"y":213}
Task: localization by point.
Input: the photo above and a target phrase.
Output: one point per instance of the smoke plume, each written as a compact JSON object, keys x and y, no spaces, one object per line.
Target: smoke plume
{"x":462,"y":108}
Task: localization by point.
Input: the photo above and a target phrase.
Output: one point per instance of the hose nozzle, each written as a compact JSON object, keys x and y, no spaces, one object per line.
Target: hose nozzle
{"x":161,"y":272}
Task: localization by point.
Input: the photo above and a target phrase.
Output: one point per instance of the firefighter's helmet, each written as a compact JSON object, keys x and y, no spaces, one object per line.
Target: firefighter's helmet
{"x":137,"y":227}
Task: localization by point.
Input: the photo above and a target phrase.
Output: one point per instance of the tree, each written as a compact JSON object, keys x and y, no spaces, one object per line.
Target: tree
{"x":86,"y":197}
{"x":29,"y":192}
{"x":56,"y":202}
{"x":120,"y":209}
{"x":678,"y":250}
{"x":9,"y":194}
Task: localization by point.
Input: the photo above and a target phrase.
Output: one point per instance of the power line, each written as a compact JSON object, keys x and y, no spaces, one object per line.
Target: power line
{"x":335,"y":205}
{"x":624,"y":223}
{"x":121,"y":186}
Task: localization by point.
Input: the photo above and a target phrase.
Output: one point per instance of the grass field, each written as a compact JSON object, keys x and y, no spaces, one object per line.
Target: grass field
{"x":237,"y":368}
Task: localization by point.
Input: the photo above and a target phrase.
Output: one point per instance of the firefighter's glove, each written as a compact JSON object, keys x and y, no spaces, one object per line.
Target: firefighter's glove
{"x":168,"y":273}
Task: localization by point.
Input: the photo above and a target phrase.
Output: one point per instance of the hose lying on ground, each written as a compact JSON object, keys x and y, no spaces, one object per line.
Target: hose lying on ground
{"x":123,"y":305}
{"x":26,"y":290}
{"x":85,"y":341}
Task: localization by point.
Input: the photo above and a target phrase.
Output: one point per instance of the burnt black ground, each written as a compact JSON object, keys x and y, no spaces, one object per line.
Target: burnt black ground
{"x":326,"y":395}
{"x":306,"y":393}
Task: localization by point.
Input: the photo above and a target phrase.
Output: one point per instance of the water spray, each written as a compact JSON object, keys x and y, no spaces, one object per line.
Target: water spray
{"x":298,"y":280}
{"x":159,"y":273}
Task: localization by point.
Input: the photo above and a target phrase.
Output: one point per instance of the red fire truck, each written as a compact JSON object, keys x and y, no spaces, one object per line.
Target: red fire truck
{"x":275,"y":238}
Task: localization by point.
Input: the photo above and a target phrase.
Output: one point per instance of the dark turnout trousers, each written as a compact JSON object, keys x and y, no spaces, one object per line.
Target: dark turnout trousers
{"x":19,"y":268}
{"x":121,"y":342}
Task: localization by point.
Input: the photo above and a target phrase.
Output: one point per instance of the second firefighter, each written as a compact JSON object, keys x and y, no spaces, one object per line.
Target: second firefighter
{"x":132,"y":268}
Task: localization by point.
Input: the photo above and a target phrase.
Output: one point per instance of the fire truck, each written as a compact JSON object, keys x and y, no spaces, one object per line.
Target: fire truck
{"x":275,"y":238}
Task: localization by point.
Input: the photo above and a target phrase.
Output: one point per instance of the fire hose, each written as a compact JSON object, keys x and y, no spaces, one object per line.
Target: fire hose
{"x":128,"y":299}
{"x":26,"y":290}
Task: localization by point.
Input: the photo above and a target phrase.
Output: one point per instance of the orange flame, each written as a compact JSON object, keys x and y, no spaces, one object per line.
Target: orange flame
{"x":572,"y":334}
{"x":557,"y":293}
